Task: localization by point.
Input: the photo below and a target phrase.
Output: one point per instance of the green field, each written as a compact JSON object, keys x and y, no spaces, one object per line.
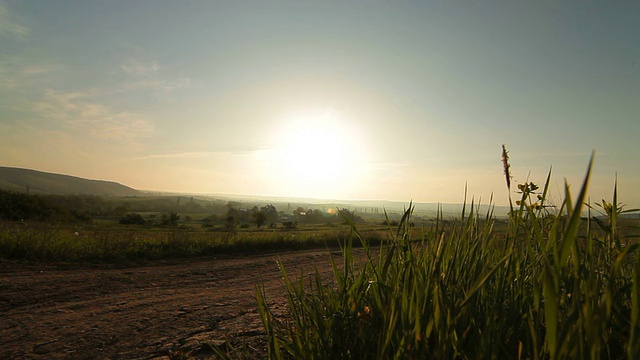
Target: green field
{"x":108,"y":243}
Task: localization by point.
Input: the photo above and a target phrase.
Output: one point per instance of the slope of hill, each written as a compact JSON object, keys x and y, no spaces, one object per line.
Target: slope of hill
{"x":38,"y":182}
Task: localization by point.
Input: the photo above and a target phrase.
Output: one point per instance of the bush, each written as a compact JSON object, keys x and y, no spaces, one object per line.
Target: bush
{"x":289,"y":225}
{"x":132,"y":219}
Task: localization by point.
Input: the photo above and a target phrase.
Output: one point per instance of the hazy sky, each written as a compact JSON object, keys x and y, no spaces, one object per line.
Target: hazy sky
{"x":326,"y":99}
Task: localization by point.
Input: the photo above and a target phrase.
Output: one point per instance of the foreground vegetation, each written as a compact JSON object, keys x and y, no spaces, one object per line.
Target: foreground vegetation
{"x":552,"y":285}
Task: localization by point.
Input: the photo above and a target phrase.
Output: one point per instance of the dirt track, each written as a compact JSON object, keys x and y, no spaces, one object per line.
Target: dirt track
{"x":159,"y":310}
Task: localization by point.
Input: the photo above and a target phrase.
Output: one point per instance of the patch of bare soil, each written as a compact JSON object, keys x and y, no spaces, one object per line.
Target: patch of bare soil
{"x":161,"y":310}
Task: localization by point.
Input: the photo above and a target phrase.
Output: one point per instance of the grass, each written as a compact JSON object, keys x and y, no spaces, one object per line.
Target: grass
{"x":550,"y":285}
{"x":49,"y":242}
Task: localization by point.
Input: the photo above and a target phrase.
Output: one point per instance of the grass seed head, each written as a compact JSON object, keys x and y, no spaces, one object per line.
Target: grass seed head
{"x":506,"y":166}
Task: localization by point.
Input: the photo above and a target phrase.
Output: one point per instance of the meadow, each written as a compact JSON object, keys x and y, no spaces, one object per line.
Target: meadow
{"x":51,"y":242}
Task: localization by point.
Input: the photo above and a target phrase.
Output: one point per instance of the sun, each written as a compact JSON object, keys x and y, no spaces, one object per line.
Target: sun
{"x":314,"y":153}
{"x":319,"y":154}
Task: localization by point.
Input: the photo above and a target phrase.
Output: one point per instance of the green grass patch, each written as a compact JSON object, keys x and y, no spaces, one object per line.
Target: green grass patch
{"x":110,"y":242}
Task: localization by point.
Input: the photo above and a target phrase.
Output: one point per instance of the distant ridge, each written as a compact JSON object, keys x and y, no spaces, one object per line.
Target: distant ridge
{"x":38,"y":182}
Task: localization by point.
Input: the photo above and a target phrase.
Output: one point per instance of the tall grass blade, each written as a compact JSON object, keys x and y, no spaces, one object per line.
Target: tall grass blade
{"x":575,"y":217}
{"x":550,"y":310}
{"x":481,"y":281}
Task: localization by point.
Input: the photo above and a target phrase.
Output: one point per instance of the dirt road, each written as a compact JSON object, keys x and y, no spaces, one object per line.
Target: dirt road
{"x":159,"y":310}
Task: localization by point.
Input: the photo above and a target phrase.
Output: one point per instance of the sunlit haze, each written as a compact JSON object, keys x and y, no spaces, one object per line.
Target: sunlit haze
{"x":396,"y":100}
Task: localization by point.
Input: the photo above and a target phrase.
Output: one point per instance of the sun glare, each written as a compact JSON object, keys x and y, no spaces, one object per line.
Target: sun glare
{"x":318,"y":154}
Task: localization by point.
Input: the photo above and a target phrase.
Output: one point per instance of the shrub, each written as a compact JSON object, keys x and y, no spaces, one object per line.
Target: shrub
{"x":289,"y":225}
{"x":132,"y":219}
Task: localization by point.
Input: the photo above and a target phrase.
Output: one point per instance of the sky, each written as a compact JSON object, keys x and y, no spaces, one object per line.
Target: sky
{"x":395,"y":100}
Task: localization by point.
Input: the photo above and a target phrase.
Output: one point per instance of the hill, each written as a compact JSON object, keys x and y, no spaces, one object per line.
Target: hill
{"x":38,"y":182}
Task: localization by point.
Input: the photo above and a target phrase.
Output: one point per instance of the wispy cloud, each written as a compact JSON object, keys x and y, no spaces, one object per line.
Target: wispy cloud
{"x":180,"y":155}
{"x":202,"y":154}
{"x":18,"y":72}
{"x":9,"y":26}
{"x":7,"y":77}
{"x":147,"y":75}
{"x":133,"y":67}
{"x":38,"y":69}
{"x":77,"y":112}
{"x":157,"y":84}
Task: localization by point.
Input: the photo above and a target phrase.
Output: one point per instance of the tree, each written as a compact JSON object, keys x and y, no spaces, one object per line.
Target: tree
{"x":230,"y":222}
{"x":259,"y":218}
{"x":132,"y":219}
{"x":271,"y":213}
{"x":233,"y":205}
{"x":351,"y":215}
{"x":173,"y":218}
{"x":170,"y":219}
{"x":239,"y":215}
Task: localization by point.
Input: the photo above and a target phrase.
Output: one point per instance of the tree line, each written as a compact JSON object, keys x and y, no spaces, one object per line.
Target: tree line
{"x":17,"y":206}
{"x":269,"y":214}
